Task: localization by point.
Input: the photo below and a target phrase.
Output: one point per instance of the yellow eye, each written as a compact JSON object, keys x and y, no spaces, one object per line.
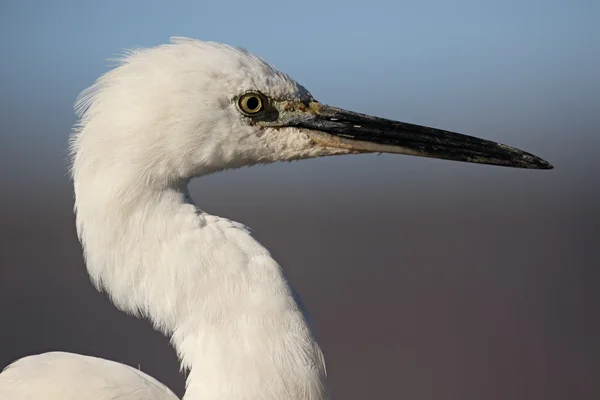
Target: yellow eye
{"x":251,"y":103}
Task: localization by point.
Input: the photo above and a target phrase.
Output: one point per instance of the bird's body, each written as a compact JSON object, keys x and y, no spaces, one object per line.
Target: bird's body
{"x":80,"y":377}
{"x":169,"y":114}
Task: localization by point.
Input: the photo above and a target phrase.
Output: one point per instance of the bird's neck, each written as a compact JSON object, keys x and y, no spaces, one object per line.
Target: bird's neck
{"x":205,"y":282}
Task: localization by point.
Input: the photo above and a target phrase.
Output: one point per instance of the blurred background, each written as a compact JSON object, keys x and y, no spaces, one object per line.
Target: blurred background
{"x":427,"y":279}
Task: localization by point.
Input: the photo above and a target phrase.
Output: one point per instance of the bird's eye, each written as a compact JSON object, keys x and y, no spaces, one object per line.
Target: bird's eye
{"x":251,"y":103}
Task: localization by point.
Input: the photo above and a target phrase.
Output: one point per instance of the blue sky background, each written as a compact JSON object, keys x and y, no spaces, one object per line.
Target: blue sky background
{"x":523,"y":72}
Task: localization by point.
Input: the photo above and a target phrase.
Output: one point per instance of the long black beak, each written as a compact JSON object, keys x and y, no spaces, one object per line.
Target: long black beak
{"x":365,"y":133}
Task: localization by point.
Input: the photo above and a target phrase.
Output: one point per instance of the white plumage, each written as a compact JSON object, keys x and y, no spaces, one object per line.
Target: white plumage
{"x":58,"y":375}
{"x":146,"y":128}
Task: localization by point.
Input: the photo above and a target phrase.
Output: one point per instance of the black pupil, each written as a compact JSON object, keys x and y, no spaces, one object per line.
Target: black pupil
{"x":253,"y":103}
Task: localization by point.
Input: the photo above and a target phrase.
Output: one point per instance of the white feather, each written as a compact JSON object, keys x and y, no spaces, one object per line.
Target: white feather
{"x":162,"y":117}
{"x":59,"y":375}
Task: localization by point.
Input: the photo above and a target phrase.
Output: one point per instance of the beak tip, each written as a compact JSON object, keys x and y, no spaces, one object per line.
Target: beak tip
{"x":538,"y":163}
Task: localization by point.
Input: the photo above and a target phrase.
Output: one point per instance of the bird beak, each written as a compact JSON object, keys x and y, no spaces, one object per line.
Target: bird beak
{"x":360,"y":133}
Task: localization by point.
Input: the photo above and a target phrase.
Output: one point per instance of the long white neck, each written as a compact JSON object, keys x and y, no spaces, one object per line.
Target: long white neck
{"x":202,"y":280}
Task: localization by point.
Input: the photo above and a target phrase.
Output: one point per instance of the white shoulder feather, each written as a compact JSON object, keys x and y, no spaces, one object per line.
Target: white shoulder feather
{"x":67,"y":376}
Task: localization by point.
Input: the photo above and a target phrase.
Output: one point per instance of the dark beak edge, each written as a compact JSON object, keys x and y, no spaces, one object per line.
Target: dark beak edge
{"x":365,"y":133}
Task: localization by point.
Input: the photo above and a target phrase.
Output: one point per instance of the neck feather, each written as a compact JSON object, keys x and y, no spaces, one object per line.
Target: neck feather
{"x":206,"y":283}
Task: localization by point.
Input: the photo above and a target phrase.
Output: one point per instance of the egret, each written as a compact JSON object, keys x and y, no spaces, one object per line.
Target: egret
{"x":163,"y":116}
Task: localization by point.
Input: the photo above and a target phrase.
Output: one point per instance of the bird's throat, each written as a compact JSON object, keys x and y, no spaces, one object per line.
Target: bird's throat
{"x":205,"y":282}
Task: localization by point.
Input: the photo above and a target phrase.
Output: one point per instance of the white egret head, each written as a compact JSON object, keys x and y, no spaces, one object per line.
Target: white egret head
{"x":192,"y":107}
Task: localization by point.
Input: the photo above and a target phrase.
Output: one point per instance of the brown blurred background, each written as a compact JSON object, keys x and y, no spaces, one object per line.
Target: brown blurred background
{"x":426,"y":279}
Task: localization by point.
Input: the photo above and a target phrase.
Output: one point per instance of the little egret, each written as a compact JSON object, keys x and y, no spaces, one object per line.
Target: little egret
{"x":168,"y":114}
